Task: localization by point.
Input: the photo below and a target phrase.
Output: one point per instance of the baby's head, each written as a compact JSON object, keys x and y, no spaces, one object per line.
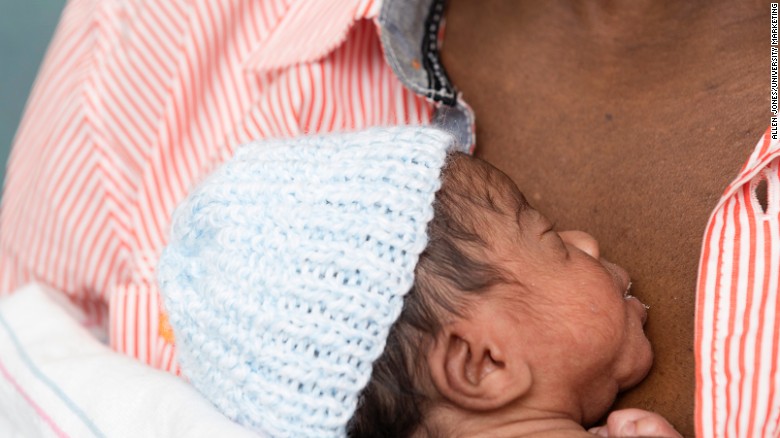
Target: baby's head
{"x":310,"y":281}
{"x":507,"y":317}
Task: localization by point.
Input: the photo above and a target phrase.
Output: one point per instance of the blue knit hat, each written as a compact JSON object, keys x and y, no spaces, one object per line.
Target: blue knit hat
{"x":287,"y":267}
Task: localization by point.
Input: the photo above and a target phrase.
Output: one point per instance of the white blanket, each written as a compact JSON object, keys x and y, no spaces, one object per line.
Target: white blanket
{"x":57,"y":380}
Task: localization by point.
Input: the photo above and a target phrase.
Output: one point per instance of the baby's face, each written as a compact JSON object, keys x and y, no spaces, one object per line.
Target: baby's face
{"x":576,"y":305}
{"x":570,"y":314}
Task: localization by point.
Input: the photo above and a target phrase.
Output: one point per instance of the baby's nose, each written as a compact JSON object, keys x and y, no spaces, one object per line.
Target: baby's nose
{"x":582,"y":240}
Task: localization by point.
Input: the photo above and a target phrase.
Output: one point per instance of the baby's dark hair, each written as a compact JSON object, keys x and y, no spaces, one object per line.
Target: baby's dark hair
{"x":453,"y":268}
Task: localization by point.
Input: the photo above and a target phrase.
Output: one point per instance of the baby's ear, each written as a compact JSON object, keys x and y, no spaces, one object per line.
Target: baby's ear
{"x":470,"y":368}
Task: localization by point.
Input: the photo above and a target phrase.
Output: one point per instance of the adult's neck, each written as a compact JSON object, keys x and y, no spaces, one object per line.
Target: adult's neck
{"x":615,"y":24}
{"x":638,"y":19}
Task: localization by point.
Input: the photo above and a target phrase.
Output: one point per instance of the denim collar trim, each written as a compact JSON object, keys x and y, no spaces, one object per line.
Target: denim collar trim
{"x":409,"y":35}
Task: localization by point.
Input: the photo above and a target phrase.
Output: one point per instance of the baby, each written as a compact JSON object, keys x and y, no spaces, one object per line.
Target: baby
{"x":379,"y":284}
{"x":511,"y":328}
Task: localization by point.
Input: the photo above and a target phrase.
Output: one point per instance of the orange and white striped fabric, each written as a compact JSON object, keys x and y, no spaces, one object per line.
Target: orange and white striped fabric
{"x":737,"y":306}
{"x":137,"y":100}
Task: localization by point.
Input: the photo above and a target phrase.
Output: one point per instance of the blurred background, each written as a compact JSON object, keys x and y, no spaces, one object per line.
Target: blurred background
{"x":26,"y":26}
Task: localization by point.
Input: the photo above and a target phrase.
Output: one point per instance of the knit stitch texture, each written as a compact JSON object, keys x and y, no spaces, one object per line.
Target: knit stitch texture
{"x":287,"y":267}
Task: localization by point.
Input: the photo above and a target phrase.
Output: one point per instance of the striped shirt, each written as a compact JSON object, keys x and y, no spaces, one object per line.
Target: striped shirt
{"x":737,"y":306}
{"x":136,"y":101}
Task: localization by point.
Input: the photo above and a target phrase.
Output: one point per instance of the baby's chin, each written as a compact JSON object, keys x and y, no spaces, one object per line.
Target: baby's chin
{"x":627,"y":379}
{"x":639,"y":365}
{"x":634,"y":365}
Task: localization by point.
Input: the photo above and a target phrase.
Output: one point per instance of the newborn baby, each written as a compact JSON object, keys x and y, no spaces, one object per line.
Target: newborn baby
{"x":379,"y":284}
{"x":511,"y":328}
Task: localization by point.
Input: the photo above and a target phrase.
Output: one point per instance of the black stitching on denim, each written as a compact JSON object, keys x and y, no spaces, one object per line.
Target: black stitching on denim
{"x":442,"y":89}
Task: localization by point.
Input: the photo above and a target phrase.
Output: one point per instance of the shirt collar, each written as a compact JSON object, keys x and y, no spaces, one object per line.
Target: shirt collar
{"x":766,"y":151}
{"x":409,"y":32}
{"x":308,"y":31}
{"x":408,"y":29}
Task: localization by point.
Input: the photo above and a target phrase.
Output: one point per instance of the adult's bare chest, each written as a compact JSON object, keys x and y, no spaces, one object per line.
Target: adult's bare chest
{"x":643,"y":178}
{"x":636,"y":152}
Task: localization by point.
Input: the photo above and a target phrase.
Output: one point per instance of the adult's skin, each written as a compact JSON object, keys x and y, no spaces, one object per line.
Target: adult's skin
{"x":626,"y":119}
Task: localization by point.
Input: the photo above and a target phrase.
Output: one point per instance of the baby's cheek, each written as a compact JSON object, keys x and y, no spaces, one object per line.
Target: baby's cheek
{"x":601,"y":318}
{"x":595,"y":330}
